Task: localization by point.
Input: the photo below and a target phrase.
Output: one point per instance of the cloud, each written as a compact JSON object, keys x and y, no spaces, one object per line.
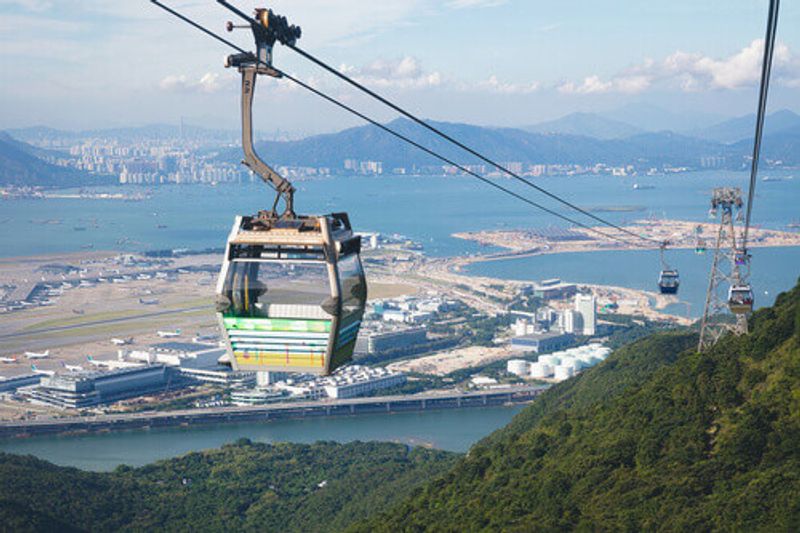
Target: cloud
{"x":492,"y":84}
{"x":36,"y":6}
{"x":464,"y":4}
{"x":404,"y":73}
{"x":207,"y":83}
{"x":694,"y":72}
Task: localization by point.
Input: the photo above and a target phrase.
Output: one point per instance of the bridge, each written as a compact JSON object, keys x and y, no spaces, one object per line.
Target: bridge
{"x":262,"y":413}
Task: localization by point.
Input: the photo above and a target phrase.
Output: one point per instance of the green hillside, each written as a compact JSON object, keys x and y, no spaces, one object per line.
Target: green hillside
{"x":658,"y":438}
{"x":251,"y":487}
{"x":22,"y":165}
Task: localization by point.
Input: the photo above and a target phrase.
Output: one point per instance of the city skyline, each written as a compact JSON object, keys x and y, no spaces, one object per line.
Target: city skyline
{"x":131,"y":64}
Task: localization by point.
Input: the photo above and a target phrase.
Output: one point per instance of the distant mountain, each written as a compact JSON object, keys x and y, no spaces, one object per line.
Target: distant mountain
{"x":501,"y":144}
{"x":649,"y":117}
{"x":739,"y":128}
{"x":588,"y":124}
{"x":129,"y":134}
{"x":20,"y":164}
{"x":783,"y":146}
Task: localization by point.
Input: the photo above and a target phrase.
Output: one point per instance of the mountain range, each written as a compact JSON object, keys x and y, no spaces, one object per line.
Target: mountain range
{"x":578,"y":138}
{"x":641,"y":149}
{"x":23,"y":165}
{"x":603,"y":126}
{"x":779,"y":123}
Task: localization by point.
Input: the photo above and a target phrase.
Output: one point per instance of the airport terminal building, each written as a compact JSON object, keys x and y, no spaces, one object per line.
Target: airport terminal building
{"x":89,"y":389}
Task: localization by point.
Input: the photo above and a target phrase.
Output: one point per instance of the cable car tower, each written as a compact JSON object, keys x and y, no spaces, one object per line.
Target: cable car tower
{"x":729,"y":267}
{"x":731,"y":262}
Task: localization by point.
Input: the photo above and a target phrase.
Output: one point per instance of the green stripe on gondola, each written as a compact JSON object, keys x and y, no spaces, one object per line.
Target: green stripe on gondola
{"x":277,"y":324}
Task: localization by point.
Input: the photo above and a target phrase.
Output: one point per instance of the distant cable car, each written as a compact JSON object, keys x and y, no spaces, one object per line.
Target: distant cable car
{"x":668,"y":279}
{"x":700,"y":247}
{"x":741,"y":257}
{"x":700,"y":243}
{"x":740,"y":299}
{"x":291,"y":292}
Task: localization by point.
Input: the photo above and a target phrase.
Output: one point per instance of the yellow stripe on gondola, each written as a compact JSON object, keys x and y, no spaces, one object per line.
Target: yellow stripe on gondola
{"x":246,"y":294}
{"x":305,"y":360}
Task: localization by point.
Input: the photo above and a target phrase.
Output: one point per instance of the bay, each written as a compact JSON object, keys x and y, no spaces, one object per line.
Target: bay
{"x":427,"y":209}
{"x":451,"y":429}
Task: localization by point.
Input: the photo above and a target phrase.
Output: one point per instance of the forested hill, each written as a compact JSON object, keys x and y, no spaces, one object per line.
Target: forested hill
{"x":657,"y":438}
{"x":243,"y":487}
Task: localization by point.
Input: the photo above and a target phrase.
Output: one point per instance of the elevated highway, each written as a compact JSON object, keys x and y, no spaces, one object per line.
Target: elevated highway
{"x":261,"y":413}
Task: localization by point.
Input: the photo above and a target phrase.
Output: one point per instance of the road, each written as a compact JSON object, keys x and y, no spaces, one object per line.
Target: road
{"x":353,"y":406}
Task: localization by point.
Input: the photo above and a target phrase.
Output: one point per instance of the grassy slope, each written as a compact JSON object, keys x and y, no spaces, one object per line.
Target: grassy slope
{"x":709,"y":442}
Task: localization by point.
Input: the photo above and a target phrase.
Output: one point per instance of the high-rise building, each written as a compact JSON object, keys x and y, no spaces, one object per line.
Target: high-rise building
{"x":570,"y":321}
{"x":585,"y":305}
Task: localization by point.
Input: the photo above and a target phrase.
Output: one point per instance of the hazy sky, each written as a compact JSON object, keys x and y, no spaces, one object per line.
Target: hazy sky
{"x":99,"y":63}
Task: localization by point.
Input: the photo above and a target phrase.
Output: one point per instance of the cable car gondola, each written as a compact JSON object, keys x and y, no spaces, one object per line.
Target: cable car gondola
{"x":291,"y":292}
{"x":740,"y":299}
{"x":669,"y":279}
{"x":700,"y":243}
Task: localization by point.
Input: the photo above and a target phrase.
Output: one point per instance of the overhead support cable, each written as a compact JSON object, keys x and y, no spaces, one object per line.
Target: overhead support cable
{"x":439,"y":132}
{"x":408,"y":140}
{"x":766,"y":68}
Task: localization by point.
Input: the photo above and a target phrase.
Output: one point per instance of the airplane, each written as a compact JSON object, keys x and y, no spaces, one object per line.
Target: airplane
{"x":122,"y":342}
{"x":37,"y":355}
{"x":110,"y":363}
{"x":8,"y":359}
{"x":43,"y":372}
{"x":205,"y":338}
{"x":169,"y":334}
{"x":72,"y":368}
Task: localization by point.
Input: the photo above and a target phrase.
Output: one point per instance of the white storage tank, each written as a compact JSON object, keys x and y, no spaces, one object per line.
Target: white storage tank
{"x":552,"y":360}
{"x":588,"y":359}
{"x":518,"y":367}
{"x":541,"y":370}
{"x":561,"y":372}
{"x":571,"y":361}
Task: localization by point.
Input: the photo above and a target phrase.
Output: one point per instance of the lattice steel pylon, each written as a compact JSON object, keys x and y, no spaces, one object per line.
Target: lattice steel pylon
{"x":730,"y":267}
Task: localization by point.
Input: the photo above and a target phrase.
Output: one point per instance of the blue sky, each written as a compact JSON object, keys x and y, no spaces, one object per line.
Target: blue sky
{"x":94,"y":63}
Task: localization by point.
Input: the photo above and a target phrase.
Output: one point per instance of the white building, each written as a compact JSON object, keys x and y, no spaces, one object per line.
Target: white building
{"x":523,"y":327}
{"x":586,"y":306}
{"x":356,"y":380}
{"x":570,"y":321}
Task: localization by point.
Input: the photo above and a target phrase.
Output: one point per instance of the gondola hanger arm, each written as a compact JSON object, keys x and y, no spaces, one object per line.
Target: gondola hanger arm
{"x":267,"y":29}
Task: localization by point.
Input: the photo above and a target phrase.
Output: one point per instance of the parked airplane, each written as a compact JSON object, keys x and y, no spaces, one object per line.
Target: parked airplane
{"x":40,"y":371}
{"x":72,"y":368}
{"x":205,"y":338}
{"x":8,"y":359}
{"x":122,"y":342}
{"x":110,"y":363}
{"x":169,"y":334}
{"x":37,"y":355}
